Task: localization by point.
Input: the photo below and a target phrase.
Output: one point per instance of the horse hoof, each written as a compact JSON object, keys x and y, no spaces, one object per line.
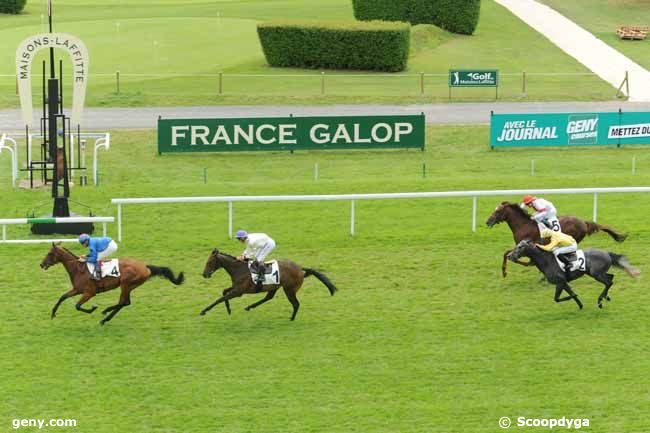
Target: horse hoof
{"x":600,"y":305}
{"x":608,"y":298}
{"x":93,"y":309}
{"x":202,"y":313}
{"x":102,"y":322}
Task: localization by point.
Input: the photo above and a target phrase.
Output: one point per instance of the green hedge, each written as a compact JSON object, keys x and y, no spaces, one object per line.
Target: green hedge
{"x":457,"y":16}
{"x":12,"y":6}
{"x":373,"y":45}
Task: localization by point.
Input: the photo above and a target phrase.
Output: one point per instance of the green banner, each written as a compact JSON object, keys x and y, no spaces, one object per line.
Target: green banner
{"x":569,"y":129}
{"x":473,"y":78}
{"x":290,"y":133}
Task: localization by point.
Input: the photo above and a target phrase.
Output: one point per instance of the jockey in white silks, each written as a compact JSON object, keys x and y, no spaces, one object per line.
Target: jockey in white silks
{"x":545,"y":213}
{"x":258,"y":246}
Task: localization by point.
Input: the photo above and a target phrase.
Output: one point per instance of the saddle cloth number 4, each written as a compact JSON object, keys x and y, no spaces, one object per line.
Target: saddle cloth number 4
{"x":109,"y":269}
{"x":272,"y":277}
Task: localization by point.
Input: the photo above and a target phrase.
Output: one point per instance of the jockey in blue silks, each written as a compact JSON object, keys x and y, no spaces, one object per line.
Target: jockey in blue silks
{"x":99,"y":248}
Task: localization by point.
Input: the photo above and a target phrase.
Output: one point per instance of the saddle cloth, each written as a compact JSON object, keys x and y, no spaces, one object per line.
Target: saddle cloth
{"x":110,"y":268}
{"x":271,"y":272}
{"x":578,"y":262}
{"x":553,"y":224}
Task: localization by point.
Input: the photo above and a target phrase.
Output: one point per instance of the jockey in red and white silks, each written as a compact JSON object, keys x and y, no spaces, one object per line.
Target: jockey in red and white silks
{"x":545,"y":212}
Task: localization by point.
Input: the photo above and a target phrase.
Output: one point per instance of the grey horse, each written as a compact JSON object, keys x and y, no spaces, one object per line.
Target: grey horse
{"x":597,"y":264}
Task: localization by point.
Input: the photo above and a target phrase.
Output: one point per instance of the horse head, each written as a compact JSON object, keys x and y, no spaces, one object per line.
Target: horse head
{"x":520,"y":250}
{"x":498,"y":216}
{"x":52,"y":258}
{"x":212,"y":265}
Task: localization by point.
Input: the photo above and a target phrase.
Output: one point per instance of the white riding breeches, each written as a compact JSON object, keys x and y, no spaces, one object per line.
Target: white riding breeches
{"x":545,"y":216}
{"x":110,"y":249}
{"x":565,"y":250}
{"x":265,"y":251}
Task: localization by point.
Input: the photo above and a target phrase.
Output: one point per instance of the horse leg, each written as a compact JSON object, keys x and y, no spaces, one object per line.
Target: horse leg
{"x":227,"y":302}
{"x":572,"y":295}
{"x":70,"y":293}
{"x":606,"y":279}
{"x":504,"y":271}
{"x":231,"y":294}
{"x":291,"y":296}
{"x":85,"y":297}
{"x":504,"y":264}
{"x":269,"y":295}
{"x":125,"y":301}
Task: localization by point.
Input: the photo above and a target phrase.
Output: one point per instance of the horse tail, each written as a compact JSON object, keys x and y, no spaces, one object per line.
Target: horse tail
{"x":620,"y":261}
{"x":593,"y":227}
{"x":323,"y":279}
{"x":161,"y":271}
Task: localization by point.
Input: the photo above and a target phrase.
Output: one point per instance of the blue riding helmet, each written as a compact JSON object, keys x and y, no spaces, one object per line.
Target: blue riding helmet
{"x":241,"y":234}
{"x":83,"y":238}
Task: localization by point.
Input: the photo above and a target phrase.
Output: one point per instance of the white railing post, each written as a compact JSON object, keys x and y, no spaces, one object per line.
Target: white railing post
{"x":595,"y":206}
{"x":352,"y":218}
{"x":104,"y":229}
{"x":4,"y":232}
{"x":13,"y":154}
{"x":104,"y":142}
{"x":474,"y":214}
{"x":119,"y":222}
{"x":229,"y":220}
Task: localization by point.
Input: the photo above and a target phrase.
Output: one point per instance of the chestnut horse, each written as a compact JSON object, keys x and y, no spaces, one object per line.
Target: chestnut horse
{"x":291,"y":279}
{"x":132,"y":274}
{"x":523,"y":227}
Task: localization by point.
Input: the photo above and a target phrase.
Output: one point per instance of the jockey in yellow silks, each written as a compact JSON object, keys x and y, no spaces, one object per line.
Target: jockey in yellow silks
{"x":559,"y":244}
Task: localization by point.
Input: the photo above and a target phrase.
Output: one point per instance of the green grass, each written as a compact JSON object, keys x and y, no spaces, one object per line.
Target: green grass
{"x":603,"y":17}
{"x":423,"y":336}
{"x":182,"y":46}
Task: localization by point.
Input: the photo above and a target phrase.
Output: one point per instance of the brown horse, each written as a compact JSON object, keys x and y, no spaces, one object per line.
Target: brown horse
{"x":523,"y":227}
{"x":291,"y":279}
{"x":132,"y":274}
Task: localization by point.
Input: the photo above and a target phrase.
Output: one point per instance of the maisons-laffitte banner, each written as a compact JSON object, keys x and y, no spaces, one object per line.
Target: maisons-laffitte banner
{"x":78,"y":54}
{"x":290,"y":133}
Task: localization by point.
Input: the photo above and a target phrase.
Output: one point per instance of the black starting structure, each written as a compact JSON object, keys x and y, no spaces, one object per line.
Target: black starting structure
{"x":54,"y":123}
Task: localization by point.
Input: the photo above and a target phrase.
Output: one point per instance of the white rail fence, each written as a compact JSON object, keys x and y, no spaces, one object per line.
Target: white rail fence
{"x":352,"y":198}
{"x":13,"y":221}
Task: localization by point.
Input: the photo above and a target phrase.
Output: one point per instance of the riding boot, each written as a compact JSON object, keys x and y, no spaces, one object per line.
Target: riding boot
{"x":567,"y":266}
{"x":260,"y":276}
{"x":97,"y":273}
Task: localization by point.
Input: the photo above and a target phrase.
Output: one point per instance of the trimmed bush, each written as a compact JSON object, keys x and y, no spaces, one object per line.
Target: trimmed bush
{"x":12,"y":6}
{"x":457,"y":16}
{"x":374,"y":45}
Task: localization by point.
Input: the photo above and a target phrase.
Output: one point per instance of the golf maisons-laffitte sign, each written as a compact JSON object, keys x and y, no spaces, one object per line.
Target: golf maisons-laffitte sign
{"x":290,"y":133}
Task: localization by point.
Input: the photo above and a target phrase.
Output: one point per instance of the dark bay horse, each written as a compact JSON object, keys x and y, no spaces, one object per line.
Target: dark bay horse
{"x":597,"y":263}
{"x":523,"y":227}
{"x":291,"y":279}
{"x":132,"y":274}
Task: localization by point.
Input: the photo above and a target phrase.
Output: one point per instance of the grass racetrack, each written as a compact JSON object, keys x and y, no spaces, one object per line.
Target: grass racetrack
{"x":423,"y":336}
{"x":171,"y":53}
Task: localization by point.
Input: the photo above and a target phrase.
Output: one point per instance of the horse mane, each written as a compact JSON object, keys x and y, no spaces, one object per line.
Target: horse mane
{"x":68,"y":251}
{"x":515,"y":207}
{"x":227,"y":255}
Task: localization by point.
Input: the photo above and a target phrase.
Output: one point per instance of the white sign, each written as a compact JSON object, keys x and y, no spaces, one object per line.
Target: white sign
{"x":25,"y":55}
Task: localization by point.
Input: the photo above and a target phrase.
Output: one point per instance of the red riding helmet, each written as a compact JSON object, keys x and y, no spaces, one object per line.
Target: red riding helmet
{"x":528,"y":199}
